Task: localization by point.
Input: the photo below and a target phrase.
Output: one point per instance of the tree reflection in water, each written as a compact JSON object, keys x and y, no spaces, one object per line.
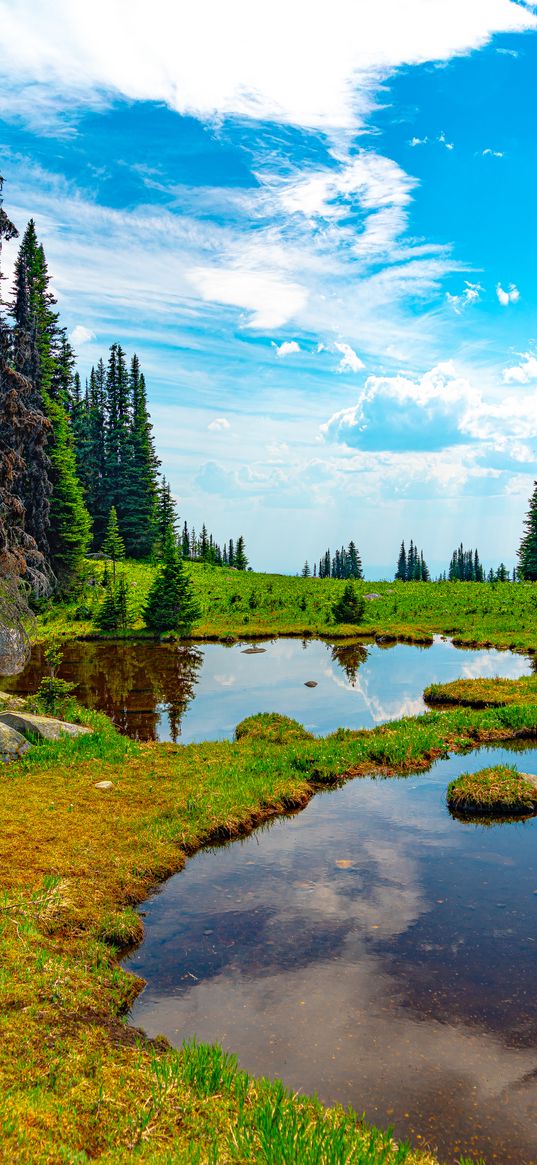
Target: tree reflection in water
{"x":133,"y":683}
{"x":350,"y":657}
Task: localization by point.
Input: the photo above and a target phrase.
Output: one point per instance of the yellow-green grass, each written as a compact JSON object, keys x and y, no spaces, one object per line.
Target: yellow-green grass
{"x":76,"y":1083}
{"x":483,"y":693}
{"x":497,"y":790}
{"x":247,"y":604}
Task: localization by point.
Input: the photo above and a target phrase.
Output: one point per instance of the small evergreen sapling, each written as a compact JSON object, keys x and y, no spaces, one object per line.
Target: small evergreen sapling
{"x":350,"y":607}
{"x":171,"y":605}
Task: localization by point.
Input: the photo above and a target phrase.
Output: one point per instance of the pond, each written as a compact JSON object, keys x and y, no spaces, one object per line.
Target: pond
{"x":201,"y":691}
{"x":370,"y":948}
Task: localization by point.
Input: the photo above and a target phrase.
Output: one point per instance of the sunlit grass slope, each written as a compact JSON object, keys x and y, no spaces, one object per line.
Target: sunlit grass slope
{"x":242,"y":604}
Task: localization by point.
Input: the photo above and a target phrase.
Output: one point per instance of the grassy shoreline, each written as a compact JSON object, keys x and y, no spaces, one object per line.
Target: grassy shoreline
{"x":78,"y":1084}
{"x":242,"y":605}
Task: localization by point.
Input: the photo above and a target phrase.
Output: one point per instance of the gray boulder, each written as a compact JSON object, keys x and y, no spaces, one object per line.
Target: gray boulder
{"x":12,"y":744}
{"x":42,"y":727}
{"x":11,"y":703}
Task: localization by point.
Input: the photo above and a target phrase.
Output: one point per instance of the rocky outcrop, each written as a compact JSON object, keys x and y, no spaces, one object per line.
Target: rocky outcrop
{"x":40,"y":727}
{"x":12,"y":743}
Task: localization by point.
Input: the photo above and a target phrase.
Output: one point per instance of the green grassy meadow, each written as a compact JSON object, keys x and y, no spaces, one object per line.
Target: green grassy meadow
{"x":242,"y":604}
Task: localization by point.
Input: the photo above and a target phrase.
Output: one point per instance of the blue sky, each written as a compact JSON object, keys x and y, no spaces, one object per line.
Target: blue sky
{"x":316,"y":228}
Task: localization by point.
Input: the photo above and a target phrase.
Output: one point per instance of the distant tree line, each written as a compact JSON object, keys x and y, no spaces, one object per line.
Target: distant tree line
{"x":346,"y":563}
{"x":411,"y":566}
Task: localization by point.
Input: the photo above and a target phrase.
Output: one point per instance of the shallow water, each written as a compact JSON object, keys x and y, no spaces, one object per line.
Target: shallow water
{"x":200,"y":692}
{"x":370,"y":948}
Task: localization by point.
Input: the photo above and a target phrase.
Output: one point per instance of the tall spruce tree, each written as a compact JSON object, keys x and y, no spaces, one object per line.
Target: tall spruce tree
{"x":241,"y":561}
{"x":139,"y":523}
{"x":400,"y":573}
{"x":527,"y":554}
{"x":69,"y":533}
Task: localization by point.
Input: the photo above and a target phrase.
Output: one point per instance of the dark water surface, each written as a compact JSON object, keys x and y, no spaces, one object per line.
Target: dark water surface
{"x":370,"y":948}
{"x":201,"y":691}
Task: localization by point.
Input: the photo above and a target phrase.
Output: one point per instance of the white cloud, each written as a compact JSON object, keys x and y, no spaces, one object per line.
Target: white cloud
{"x":512,"y":295}
{"x":370,"y":179}
{"x":246,"y":67}
{"x":522,"y":373}
{"x":444,"y":142}
{"x":436,"y":411}
{"x":271,"y":301}
{"x":349,"y":362}
{"x":467,"y":297}
{"x":81,"y":335}
{"x":395,"y":412}
{"x":488,"y":153}
{"x":287,"y":348}
{"x":219,"y":425}
{"x":418,"y":142}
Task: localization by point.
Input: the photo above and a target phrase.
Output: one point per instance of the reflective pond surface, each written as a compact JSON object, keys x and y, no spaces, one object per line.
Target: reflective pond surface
{"x":202,"y":691}
{"x":370,"y":948}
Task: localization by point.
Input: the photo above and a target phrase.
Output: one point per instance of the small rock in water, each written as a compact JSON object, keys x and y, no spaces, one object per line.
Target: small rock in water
{"x":253,"y":650}
{"x":310,"y":684}
{"x":104,"y":785}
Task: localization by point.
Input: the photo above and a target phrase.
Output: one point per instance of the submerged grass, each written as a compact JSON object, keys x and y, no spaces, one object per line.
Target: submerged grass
{"x":78,"y":1084}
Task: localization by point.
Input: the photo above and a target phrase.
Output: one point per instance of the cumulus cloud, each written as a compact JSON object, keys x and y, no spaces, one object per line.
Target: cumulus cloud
{"x":522,"y":373}
{"x":163,"y":53}
{"x":437,"y":411}
{"x":469,"y":296}
{"x":488,"y":153}
{"x":286,"y":349}
{"x":81,"y":335}
{"x":512,"y":295}
{"x":395,"y":412}
{"x":418,"y":142}
{"x":219,"y":425}
{"x":349,"y":362}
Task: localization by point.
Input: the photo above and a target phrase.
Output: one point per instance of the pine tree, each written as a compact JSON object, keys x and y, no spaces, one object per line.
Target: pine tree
{"x":401,"y":572}
{"x":185,"y":542}
{"x":241,"y":561}
{"x":69,"y":534}
{"x":306,"y":572}
{"x":166,"y":515}
{"x":527,"y":554}
{"x":354,"y":562}
{"x":114,"y":613}
{"x":140,"y":469}
{"x":23,"y":432}
{"x":171,"y":605}
{"x":113,"y":545}
{"x":350,"y":607}
{"x":231,"y":553}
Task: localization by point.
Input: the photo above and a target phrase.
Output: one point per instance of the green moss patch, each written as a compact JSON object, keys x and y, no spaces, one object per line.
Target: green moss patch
{"x":272,"y":727}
